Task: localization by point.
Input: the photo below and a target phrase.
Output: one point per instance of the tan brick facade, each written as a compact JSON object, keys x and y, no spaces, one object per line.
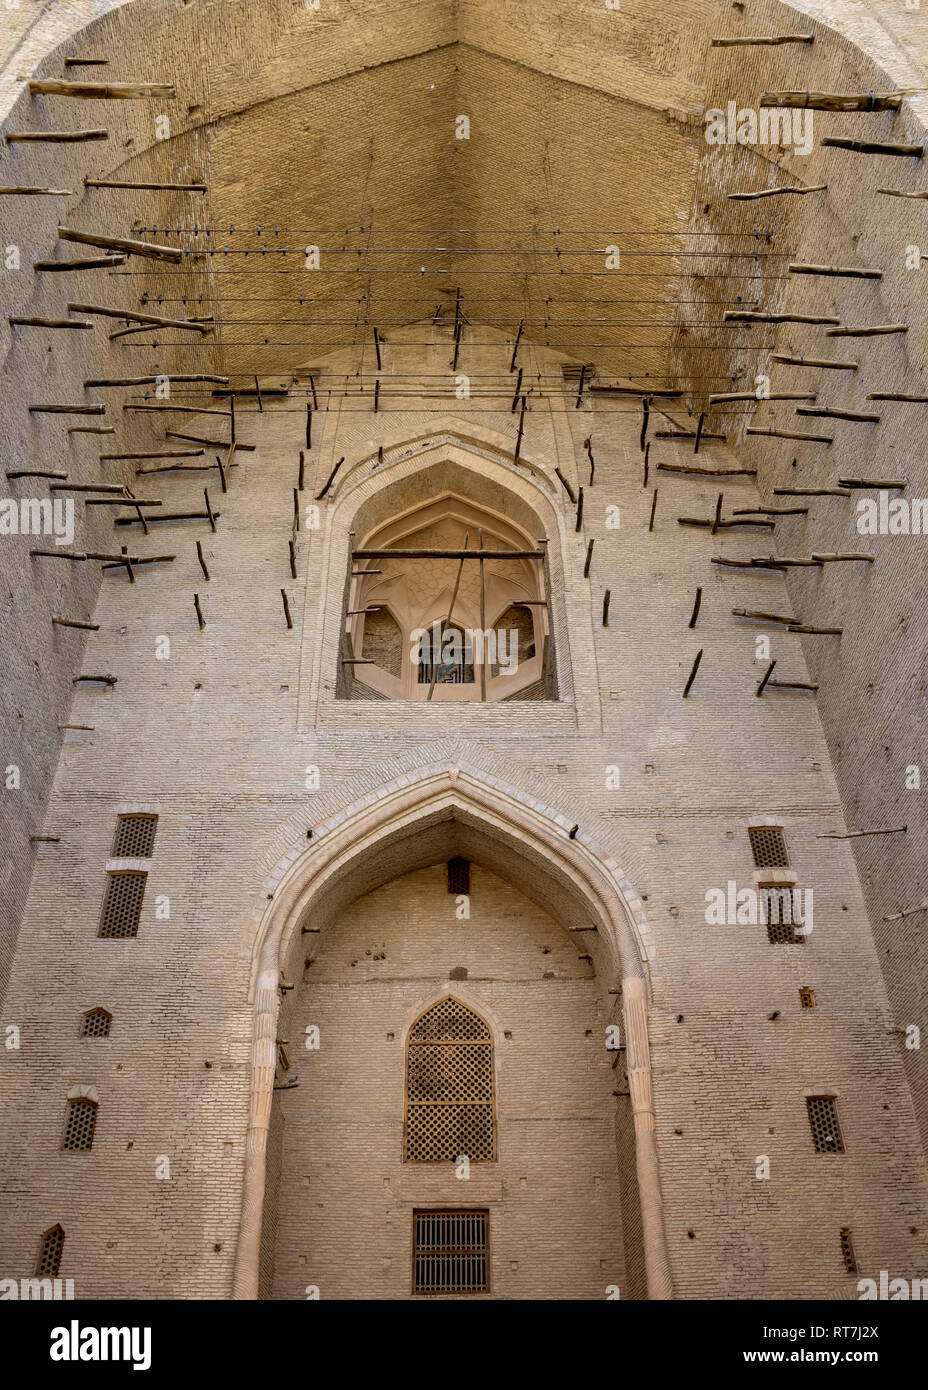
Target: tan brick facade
{"x":241,"y":737}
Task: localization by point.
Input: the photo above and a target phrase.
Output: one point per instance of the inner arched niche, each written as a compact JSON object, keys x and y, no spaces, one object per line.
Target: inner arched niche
{"x":438,"y":615}
{"x":438,"y":506}
{"x":384,"y":943}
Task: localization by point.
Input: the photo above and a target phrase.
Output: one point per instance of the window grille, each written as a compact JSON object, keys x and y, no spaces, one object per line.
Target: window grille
{"x":458,"y":876}
{"x":450,"y":1252}
{"x":847,"y":1252}
{"x":49,"y":1261}
{"x":96,"y":1024}
{"x":769,"y":847}
{"x":450,"y":1102}
{"x":806,"y":997}
{"x":454,"y":656}
{"x":80,"y":1124}
{"x":122,"y":905}
{"x":777,"y":901}
{"x":135,"y":837}
{"x":823,"y":1119}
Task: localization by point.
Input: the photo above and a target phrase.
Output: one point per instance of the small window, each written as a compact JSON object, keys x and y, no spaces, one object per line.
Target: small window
{"x":806,"y":997}
{"x":777,"y":900}
{"x":49,"y":1261}
{"x":823,"y":1119}
{"x":847,"y":1252}
{"x":122,"y":905}
{"x":96,"y":1024}
{"x":458,"y":876}
{"x":769,"y":847}
{"x":454,"y":657}
{"x":450,"y":1252}
{"x":80,"y":1124}
{"x":135,"y":837}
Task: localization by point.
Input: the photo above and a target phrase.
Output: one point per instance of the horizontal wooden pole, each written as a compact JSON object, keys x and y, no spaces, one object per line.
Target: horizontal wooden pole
{"x":746,"y":316}
{"x":91,"y":429}
{"x":872,"y":331}
{"x":49,"y":323}
{"x":844,"y":271}
{"x":896,"y":396}
{"x":776,"y":192}
{"x":37,"y":192}
{"x":67,"y":409}
{"x":92,"y":263}
{"x":811,"y":492}
{"x":826,"y":362}
{"x":73,"y":622}
{"x":722,"y":397}
{"x":873,"y":147}
{"x":899,"y":193}
{"x":834,"y":101}
{"x":101,"y":91}
{"x":55,"y":136}
{"x":166,"y":187}
{"x":764,"y":617}
{"x":162,"y":454}
{"x":35,"y":473}
{"x":132,"y":248}
{"x":710,"y":472}
{"x":863,"y":482}
{"x":791,"y":434}
{"x":830,"y":412}
{"x":147,"y":380}
{"x":764,"y":40}
{"x":183,"y":409}
{"x":133,"y":317}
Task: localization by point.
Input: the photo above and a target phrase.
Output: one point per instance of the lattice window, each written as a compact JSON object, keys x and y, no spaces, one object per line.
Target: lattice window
{"x":847,"y":1252}
{"x":135,"y":837}
{"x":458,"y":876}
{"x":96,"y":1024}
{"x":823,"y":1119}
{"x":450,"y":1102}
{"x":49,"y":1261}
{"x":450,"y":1252}
{"x":122,"y":905}
{"x":80,"y":1124}
{"x":452,"y":649}
{"x":769,"y":847}
{"x":777,"y":901}
{"x":806,"y":997}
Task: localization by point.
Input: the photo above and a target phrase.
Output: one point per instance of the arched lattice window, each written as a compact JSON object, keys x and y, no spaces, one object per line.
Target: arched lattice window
{"x":450,"y":1102}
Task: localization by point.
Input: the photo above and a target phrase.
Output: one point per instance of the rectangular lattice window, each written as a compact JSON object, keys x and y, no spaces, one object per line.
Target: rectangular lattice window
{"x":847,"y":1252}
{"x":823,"y":1120}
{"x":135,"y":837}
{"x":458,"y":876}
{"x":122,"y":905}
{"x":49,"y":1261}
{"x":806,"y":997}
{"x":769,"y":847}
{"x":450,"y":1252}
{"x":80,"y":1124}
{"x":777,"y":901}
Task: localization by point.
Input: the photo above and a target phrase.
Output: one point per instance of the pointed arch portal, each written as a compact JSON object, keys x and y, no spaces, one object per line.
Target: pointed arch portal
{"x":406,"y":826}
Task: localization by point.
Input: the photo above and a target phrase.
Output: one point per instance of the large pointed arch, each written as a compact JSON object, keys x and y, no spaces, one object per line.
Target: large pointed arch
{"x":313,"y":883}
